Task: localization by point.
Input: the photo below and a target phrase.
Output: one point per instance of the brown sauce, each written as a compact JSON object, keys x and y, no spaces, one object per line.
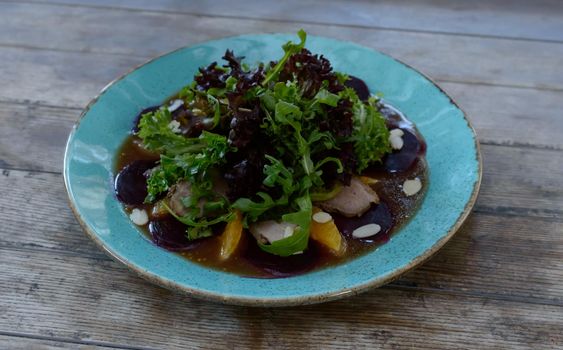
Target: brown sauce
{"x":394,"y":210}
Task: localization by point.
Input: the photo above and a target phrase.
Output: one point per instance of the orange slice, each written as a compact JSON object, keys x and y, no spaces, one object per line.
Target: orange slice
{"x":327,"y":234}
{"x":231,"y":236}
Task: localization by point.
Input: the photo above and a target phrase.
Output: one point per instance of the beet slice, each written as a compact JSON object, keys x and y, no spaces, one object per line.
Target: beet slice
{"x":131,"y":183}
{"x":138,"y":117}
{"x":277,"y":266}
{"x":359,"y":86}
{"x":405,"y":158}
{"x":377,"y":214}
{"x":170,"y":234}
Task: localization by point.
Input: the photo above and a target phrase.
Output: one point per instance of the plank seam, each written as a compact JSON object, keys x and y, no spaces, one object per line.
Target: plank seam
{"x":544,"y":214}
{"x":511,"y":86}
{"x":57,"y":49}
{"x":198,"y":14}
{"x":396,"y":285}
{"x":407,"y":286}
{"x":30,"y":103}
{"x":72,"y":341}
{"x":148,"y":57}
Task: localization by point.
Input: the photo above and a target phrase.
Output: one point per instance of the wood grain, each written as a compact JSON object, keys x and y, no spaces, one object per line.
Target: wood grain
{"x":58,"y":78}
{"x":33,"y":342}
{"x":522,"y":178}
{"x":491,"y":255}
{"x":33,"y":137}
{"x":497,"y":284}
{"x":520,"y":19}
{"x":101,"y":30}
{"x":510,"y":116}
{"x":102,"y":302}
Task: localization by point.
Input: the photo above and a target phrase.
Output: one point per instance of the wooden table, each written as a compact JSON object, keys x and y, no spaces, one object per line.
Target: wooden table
{"x":497,"y":284}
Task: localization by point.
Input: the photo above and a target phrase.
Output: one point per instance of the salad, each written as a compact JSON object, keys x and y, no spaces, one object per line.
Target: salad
{"x":285,"y":153}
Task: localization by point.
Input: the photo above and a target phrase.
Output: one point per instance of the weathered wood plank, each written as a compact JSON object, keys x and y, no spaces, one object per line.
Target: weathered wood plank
{"x":31,"y":199}
{"x":522,"y":178}
{"x":58,"y":78}
{"x":21,"y":342}
{"x":497,"y":284}
{"x":102,"y":302}
{"x":511,"y":116}
{"x":445,"y":57}
{"x":517,"y":258}
{"x":33,"y":137}
{"x":520,"y":19}
{"x":500,"y":115}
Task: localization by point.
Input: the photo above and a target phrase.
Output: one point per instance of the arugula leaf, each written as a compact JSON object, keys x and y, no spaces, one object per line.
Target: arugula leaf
{"x":253,"y":209}
{"x":342,"y":77}
{"x":287,"y":113}
{"x":326,"y":194}
{"x":326,"y":97}
{"x":278,"y":174}
{"x":199,"y":227}
{"x":289,"y":48}
{"x":288,"y":91}
{"x":298,"y":241}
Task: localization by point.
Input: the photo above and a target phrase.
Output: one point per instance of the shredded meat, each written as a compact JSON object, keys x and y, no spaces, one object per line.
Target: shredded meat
{"x":353,"y":200}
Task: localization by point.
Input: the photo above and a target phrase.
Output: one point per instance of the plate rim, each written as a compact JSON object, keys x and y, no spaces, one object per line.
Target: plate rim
{"x":286,"y":300}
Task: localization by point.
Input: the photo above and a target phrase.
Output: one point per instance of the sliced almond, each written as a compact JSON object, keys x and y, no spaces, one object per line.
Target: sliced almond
{"x":174,"y":105}
{"x":411,"y":187}
{"x":396,"y":142}
{"x":396,"y":132}
{"x":322,"y":217}
{"x":139,"y":217}
{"x":396,"y":139}
{"x":366,"y":231}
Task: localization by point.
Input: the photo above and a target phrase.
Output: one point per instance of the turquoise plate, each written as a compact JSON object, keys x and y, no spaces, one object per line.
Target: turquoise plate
{"x":453,"y":158}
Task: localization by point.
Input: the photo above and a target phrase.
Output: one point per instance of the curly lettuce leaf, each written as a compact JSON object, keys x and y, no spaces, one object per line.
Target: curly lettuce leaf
{"x":370,"y":134}
{"x":157,"y":134}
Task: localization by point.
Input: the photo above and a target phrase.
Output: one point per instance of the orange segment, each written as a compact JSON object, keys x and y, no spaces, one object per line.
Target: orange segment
{"x":231,"y":236}
{"x":328,"y":235}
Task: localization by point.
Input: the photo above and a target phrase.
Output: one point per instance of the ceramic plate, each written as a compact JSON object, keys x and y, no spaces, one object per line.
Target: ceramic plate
{"x":453,"y":159}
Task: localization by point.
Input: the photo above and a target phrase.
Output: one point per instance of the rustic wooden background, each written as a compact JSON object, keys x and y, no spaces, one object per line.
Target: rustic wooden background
{"x":498,"y":283}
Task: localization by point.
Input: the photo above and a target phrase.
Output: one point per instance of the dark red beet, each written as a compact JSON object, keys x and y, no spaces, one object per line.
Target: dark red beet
{"x":131,"y":183}
{"x":170,"y":234}
{"x":278,"y":266}
{"x":377,"y":214}
{"x":138,"y":117}
{"x":405,"y":158}
{"x":359,"y":86}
